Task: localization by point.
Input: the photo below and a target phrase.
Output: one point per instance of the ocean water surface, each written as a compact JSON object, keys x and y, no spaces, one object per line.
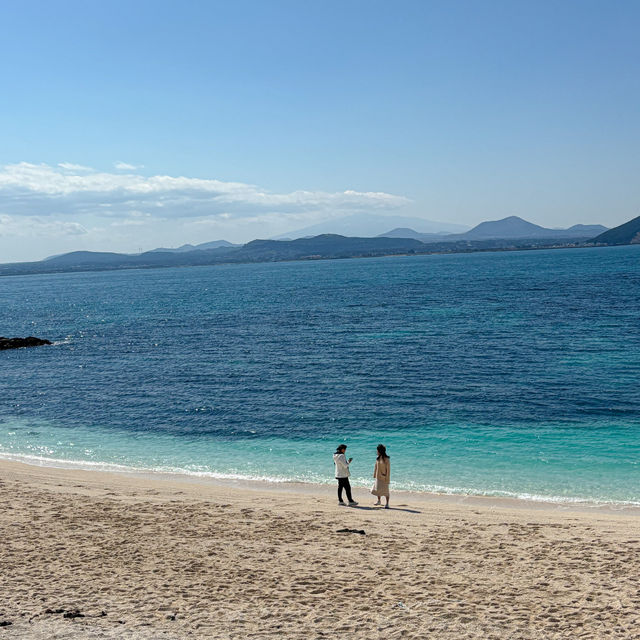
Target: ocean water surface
{"x":507,"y":374}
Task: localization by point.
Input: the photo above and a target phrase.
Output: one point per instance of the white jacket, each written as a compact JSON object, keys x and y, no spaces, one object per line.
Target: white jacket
{"x":342,"y":465}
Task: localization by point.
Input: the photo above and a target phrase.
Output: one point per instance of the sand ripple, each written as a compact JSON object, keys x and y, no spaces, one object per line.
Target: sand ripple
{"x":143,"y":559}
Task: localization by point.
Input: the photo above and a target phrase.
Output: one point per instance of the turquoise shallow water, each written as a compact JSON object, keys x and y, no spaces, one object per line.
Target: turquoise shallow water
{"x":508,"y":374}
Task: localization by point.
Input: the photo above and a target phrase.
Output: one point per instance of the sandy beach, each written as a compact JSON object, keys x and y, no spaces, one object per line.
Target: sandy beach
{"x":100,"y":555}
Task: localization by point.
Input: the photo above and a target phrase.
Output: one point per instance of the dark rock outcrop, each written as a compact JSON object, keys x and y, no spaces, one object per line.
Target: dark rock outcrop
{"x":18,"y":343}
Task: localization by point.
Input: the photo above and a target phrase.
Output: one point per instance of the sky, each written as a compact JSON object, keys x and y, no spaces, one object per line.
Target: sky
{"x":125,"y":126}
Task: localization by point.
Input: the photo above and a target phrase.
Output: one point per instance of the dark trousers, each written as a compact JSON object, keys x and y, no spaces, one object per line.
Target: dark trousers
{"x":343,"y":483}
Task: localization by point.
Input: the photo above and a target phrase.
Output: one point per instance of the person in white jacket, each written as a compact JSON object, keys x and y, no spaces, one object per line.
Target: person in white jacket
{"x":342,"y":475}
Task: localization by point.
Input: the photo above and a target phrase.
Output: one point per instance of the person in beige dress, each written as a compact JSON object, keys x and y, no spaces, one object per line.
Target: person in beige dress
{"x":381,"y":473}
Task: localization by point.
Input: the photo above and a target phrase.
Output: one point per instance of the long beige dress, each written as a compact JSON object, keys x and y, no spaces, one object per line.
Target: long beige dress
{"x":382,"y":474}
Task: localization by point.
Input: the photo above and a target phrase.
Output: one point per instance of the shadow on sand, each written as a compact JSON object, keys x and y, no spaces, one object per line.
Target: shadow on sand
{"x":372,"y":508}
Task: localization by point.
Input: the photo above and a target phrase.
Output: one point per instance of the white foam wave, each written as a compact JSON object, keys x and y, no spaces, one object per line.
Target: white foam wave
{"x":88,"y":465}
{"x":529,"y":497}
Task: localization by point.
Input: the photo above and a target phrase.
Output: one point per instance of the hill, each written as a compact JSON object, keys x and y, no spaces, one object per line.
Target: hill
{"x":516,"y":227}
{"x":214,"y":244}
{"x":323,"y":246}
{"x":404,"y":232}
{"x":78,"y":260}
{"x":364,"y":225}
{"x":588,"y":229}
{"x":510,"y":228}
{"x":627,"y":233}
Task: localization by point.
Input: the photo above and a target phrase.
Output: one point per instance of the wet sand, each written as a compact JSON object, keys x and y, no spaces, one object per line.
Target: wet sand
{"x":88,"y":554}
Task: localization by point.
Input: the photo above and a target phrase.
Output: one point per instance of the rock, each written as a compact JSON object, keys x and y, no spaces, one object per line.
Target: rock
{"x":70,"y":613}
{"x":5,"y":623}
{"x":360,"y":531}
{"x":73,"y":614}
{"x":18,"y":343}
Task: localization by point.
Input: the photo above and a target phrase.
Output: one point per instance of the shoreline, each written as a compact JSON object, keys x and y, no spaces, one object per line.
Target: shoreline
{"x":328,"y":489}
{"x":102,"y":269}
{"x":94,"y":555}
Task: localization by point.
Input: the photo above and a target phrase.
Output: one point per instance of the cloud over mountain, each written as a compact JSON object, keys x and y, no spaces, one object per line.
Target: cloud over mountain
{"x":28,"y":189}
{"x":21,"y":227}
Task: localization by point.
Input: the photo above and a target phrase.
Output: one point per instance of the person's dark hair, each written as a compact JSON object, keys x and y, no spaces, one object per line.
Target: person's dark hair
{"x":341,"y":448}
{"x":382,"y":452}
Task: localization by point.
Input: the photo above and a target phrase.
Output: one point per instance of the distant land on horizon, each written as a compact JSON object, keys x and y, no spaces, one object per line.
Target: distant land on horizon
{"x":512,"y":227}
{"x":627,"y":233}
{"x":365,"y":225}
{"x":333,"y":246}
{"x":214,"y":244}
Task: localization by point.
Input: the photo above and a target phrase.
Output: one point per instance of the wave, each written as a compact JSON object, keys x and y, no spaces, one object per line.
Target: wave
{"x":88,"y":465}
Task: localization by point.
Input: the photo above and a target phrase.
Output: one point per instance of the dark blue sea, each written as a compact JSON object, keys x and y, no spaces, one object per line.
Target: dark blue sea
{"x":505,"y":374}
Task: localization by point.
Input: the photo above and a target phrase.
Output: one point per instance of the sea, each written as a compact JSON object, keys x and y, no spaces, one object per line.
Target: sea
{"x":510,"y":374}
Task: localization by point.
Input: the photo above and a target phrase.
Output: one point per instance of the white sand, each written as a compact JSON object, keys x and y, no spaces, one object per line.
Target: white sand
{"x":164,"y":557}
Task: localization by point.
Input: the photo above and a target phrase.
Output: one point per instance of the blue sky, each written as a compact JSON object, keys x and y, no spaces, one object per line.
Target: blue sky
{"x":140,"y":124}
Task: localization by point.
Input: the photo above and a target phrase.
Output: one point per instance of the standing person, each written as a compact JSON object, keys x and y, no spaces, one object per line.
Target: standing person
{"x":342,"y":474}
{"x":381,"y":473}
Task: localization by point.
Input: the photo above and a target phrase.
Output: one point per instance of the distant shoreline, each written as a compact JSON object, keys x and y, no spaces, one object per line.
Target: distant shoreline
{"x":13,"y":269}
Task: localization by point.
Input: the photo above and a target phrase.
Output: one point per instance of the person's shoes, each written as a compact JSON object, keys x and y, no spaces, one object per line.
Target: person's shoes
{"x":386,"y":506}
{"x":341,"y":504}
{"x":353,"y":503}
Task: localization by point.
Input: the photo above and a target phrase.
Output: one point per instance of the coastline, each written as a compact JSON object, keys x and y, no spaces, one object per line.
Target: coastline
{"x":324,"y":489}
{"x":173,"y":557}
{"x":22,"y":268}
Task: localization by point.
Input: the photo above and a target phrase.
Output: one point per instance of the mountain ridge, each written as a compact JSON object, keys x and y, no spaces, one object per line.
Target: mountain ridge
{"x":511,"y":227}
{"x":214,"y":244}
{"x":325,"y":246}
{"x":367,"y":226}
{"x":626,"y":233}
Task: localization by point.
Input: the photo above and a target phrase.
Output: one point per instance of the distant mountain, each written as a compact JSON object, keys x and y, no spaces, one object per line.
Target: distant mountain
{"x":214,"y":244}
{"x":86,"y":257}
{"x":404,"y":232}
{"x":512,"y":228}
{"x":325,"y":246}
{"x":588,"y":229}
{"x":627,"y":233}
{"x":516,"y":227}
{"x":365,"y":225}
{"x":319,"y":247}
{"x":77,"y":260}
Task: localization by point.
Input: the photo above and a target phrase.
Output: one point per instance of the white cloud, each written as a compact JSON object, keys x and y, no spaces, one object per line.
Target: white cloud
{"x":129,"y":223}
{"x":70,"y":190}
{"x":74,"y":167}
{"x":125,"y":166}
{"x":34,"y":226}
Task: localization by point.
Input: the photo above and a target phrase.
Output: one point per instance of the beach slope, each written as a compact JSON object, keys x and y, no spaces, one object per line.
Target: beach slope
{"x":97,"y":555}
